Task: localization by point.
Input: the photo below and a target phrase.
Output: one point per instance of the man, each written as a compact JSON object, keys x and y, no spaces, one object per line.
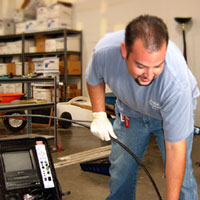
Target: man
{"x":156,"y":95}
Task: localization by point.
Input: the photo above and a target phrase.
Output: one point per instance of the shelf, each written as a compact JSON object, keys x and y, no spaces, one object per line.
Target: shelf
{"x":11,"y":37}
{"x":53,"y":53}
{"x":52,"y":32}
{"x":7,"y":107}
{"x":10,"y":55}
{"x":33,"y":34}
{"x":25,"y":80}
{"x":24,"y":55}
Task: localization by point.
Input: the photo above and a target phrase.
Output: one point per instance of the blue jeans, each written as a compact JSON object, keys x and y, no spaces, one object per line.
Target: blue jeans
{"x":124,"y":168}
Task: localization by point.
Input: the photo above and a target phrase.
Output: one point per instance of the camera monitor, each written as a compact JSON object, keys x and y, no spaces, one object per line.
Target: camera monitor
{"x":26,"y":170}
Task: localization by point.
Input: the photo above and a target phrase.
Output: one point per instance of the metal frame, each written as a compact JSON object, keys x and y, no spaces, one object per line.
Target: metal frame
{"x":16,"y":107}
{"x":60,"y":32}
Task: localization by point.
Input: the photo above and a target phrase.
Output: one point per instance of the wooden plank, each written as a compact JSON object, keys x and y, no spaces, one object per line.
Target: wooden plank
{"x":86,"y":153}
{"x":84,"y":156}
{"x":83,"y":159}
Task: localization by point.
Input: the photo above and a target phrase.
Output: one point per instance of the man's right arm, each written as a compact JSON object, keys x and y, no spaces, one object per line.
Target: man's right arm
{"x":97,"y":97}
{"x":100,"y":126}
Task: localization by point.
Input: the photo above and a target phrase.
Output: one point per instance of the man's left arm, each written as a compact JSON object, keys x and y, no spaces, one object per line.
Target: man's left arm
{"x":175,"y":168}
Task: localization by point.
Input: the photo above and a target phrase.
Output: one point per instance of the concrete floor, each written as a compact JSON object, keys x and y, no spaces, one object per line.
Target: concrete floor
{"x":92,"y":186}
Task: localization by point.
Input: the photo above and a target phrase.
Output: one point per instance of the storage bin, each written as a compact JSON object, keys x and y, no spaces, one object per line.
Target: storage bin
{"x":8,"y":97}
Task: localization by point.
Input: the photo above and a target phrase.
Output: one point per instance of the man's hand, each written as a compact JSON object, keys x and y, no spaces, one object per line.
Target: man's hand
{"x":101,"y":126}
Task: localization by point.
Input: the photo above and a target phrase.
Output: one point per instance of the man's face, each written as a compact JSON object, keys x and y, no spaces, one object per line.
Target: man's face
{"x":142,"y":65}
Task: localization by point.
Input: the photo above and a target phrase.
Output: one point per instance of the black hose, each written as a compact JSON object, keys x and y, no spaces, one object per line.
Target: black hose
{"x":139,"y":163}
{"x":113,"y":139}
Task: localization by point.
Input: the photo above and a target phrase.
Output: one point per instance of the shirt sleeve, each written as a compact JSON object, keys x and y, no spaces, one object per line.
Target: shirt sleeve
{"x":94,"y":70}
{"x":178,"y":117}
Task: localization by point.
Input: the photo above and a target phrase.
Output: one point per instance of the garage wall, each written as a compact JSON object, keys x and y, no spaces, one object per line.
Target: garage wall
{"x":96,"y":17}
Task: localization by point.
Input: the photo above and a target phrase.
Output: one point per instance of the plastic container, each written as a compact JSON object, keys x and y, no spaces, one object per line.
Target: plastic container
{"x":100,"y":166}
{"x":110,"y":99}
{"x":8,"y":97}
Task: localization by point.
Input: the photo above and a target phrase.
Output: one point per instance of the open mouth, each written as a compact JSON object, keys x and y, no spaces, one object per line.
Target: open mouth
{"x":144,"y":79}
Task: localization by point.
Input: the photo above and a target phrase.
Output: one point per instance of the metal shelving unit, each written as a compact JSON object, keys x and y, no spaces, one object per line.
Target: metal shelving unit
{"x":54,"y":33}
{"x":30,"y":106}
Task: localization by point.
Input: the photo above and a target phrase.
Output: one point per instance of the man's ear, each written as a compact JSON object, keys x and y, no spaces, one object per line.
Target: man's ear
{"x":123,"y":50}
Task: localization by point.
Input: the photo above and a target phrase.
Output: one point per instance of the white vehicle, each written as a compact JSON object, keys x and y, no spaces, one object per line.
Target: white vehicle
{"x":78,"y":108}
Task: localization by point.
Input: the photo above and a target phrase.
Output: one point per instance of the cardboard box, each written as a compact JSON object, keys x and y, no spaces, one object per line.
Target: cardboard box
{"x":73,"y":93}
{"x":19,"y":68}
{"x":42,"y":93}
{"x":48,"y":64}
{"x":50,"y":45}
{"x":9,"y":88}
{"x":40,"y":43}
{"x":20,"y":27}
{"x":18,"y":88}
{"x":73,"y":57}
{"x":61,"y":10}
{"x":73,"y":43}
{"x":71,"y":86}
{"x":2,"y":48}
{"x":31,"y":66}
{"x":32,"y":49}
{"x":7,"y":27}
{"x":59,"y":23}
{"x":42,"y":25}
{"x":18,"y":16}
{"x":42,"y":13}
{"x":11,"y":68}
{"x":3,"y":69}
{"x":73,"y":66}
{"x":30,"y":26}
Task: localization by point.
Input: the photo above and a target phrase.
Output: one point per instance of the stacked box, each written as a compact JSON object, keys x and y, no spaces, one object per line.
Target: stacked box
{"x":42,"y":13}
{"x":42,"y":24}
{"x":11,"y":88}
{"x":48,"y":64}
{"x":20,"y":27}
{"x":7,"y":27}
{"x":19,"y":68}
{"x":61,"y":16}
{"x":73,"y":43}
{"x":50,"y":45}
{"x":47,"y":94}
{"x":60,"y":10}
{"x":73,"y":91}
{"x":16,"y":47}
{"x":11,"y":68}
{"x":58,"y":23}
{"x":3,"y":69}
{"x":3,"y":47}
{"x":73,"y":65}
{"x":40,"y":43}
{"x":30,"y":26}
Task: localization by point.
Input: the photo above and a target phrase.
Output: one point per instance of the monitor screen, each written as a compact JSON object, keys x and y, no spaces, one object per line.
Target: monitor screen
{"x":18,"y":161}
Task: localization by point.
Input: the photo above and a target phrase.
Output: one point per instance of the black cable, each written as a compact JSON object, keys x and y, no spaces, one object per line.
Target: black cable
{"x":139,"y":163}
{"x":49,"y":117}
{"x":113,"y":139}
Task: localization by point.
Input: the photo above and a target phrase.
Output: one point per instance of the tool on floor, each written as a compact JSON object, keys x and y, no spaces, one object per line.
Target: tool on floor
{"x":113,"y":139}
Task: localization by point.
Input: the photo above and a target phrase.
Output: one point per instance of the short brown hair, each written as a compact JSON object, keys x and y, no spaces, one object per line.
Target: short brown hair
{"x":150,"y":29}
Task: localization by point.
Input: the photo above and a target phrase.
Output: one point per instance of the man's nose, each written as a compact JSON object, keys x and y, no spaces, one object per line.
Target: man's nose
{"x":148,"y":72}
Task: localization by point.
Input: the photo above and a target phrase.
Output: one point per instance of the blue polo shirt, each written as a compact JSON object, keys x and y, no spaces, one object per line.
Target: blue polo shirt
{"x":171,"y":97}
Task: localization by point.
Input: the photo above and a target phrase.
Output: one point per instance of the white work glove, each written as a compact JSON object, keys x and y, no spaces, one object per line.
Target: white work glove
{"x":101,"y":126}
